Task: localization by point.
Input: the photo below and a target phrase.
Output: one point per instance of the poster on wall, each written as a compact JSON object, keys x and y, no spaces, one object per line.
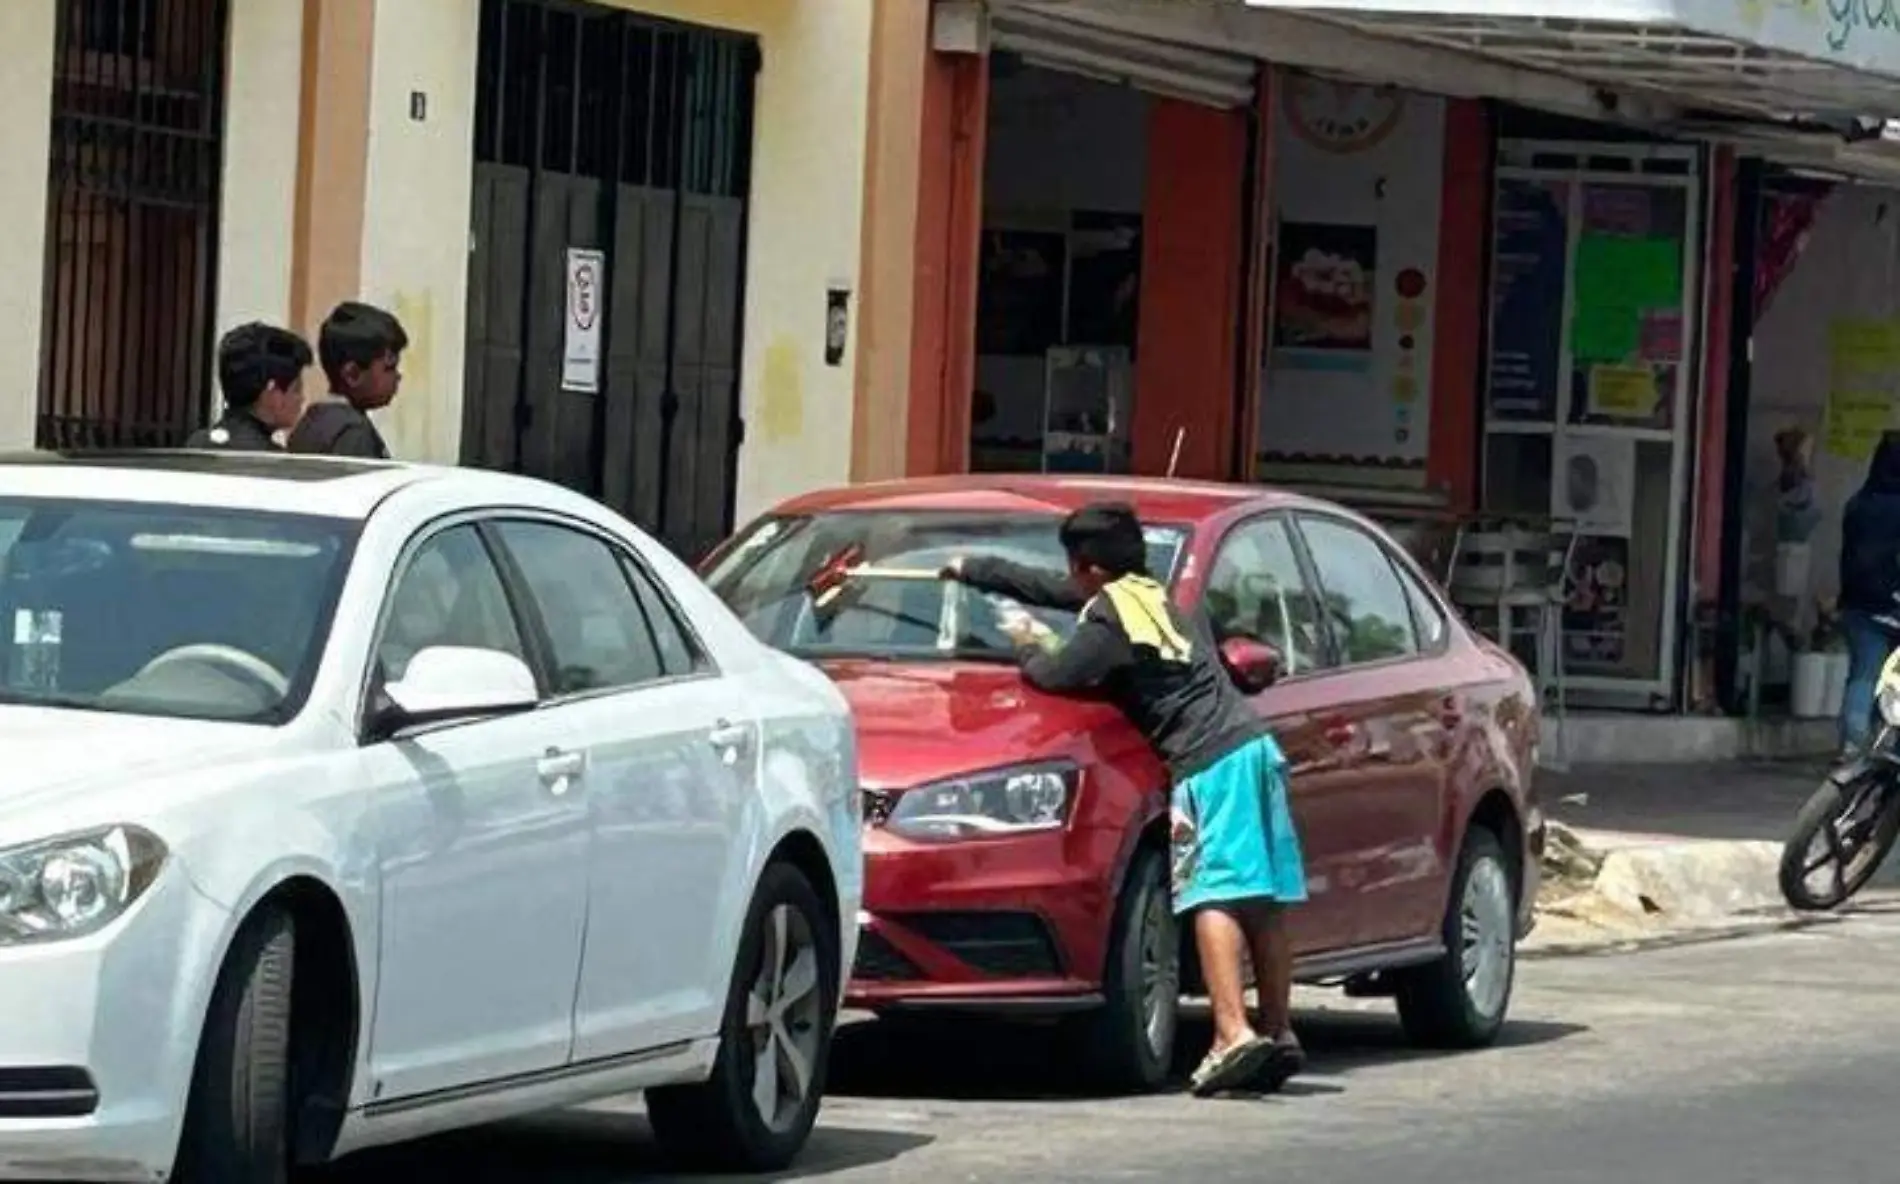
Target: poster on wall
{"x":1627,"y":292}
{"x":1104,"y":278}
{"x":1863,"y":374}
{"x":1596,"y":616}
{"x":1594,"y":483}
{"x":1019,"y":297}
{"x":1358,"y":186}
{"x":1323,"y":292}
{"x":1527,"y":299}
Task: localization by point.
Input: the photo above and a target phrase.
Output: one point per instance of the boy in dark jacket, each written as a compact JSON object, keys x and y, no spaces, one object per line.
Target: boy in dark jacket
{"x":1237,"y":859}
{"x":260,"y":374}
{"x":360,"y":347}
{"x":1870,"y":578}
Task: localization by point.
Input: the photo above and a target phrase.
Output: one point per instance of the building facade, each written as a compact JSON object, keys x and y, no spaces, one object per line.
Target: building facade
{"x":216,"y":161}
{"x":1446,"y":260}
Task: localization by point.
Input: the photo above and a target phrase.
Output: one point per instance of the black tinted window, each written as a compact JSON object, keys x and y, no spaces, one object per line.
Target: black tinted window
{"x":679,"y":653}
{"x":1364,"y":601}
{"x":1257,"y":589}
{"x":599,"y":636}
{"x":449,"y":594}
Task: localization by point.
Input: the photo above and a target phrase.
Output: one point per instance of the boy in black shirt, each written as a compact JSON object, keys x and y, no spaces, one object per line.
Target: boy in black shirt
{"x":1237,"y":859}
{"x":260,"y":373}
{"x":360,"y":347}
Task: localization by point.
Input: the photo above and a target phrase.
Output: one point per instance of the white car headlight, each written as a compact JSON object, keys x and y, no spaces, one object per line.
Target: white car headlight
{"x":73,"y":886}
{"x":983,"y":805}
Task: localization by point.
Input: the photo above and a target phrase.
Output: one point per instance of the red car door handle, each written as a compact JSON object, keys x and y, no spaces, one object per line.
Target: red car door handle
{"x":1339,"y":732}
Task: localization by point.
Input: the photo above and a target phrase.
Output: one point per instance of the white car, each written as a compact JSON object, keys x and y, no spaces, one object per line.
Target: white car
{"x":354,"y":802}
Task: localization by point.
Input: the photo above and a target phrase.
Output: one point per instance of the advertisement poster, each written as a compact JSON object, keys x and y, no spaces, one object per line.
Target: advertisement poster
{"x":1527,"y":299}
{"x":1863,"y":369}
{"x":1596,"y":617}
{"x":1594,"y":483}
{"x":1019,"y":295}
{"x":1627,"y":291}
{"x":1323,"y":296}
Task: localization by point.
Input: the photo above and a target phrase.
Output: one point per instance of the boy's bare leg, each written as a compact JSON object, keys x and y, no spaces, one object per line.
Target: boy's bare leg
{"x":1272,"y":957}
{"x":1219,"y":938}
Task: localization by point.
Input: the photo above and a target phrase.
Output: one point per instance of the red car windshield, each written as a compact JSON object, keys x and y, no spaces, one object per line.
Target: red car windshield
{"x":865,"y":584}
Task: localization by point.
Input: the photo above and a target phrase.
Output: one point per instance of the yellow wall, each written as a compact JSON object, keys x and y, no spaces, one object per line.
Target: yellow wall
{"x":26,"y":96}
{"x":803,"y":237}
{"x":416,"y":211}
{"x":256,"y":238}
{"x":805,"y":232}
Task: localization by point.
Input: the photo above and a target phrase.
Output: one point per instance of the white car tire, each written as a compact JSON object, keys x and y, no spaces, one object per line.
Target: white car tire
{"x":237,"y":1123}
{"x":720,"y":1123}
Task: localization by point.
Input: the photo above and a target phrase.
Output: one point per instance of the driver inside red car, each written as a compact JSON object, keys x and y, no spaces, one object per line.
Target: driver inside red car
{"x":1237,"y":859}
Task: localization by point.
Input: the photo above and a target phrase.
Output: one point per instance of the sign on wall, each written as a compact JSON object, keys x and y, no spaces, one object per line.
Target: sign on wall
{"x":586,"y":294}
{"x":1358,"y":186}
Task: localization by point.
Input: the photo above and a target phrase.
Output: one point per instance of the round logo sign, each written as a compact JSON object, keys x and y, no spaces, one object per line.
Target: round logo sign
{"x":1341,"y":116}
{"x":584,"y":294}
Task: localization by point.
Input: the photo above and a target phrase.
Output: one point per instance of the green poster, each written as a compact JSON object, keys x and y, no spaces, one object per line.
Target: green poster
{"x":1615,"y":280}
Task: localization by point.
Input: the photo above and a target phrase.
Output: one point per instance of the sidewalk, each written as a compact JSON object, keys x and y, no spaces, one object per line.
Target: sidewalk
{"x":1669,"y":852}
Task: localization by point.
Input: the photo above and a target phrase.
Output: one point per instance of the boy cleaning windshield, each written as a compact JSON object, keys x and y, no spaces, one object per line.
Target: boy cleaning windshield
{"x":1237,"y":859}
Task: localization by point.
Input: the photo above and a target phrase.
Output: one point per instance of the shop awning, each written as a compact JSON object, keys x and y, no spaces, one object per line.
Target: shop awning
{"x":1826,"y":60}
{"x":1052,"y":37}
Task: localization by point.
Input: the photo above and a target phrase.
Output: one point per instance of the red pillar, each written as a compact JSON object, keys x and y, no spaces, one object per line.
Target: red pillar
{"x":1192,"y":259}
{"x":949,"y":240}
{"x":1718,"y":302}
{"x":1458,"y":344}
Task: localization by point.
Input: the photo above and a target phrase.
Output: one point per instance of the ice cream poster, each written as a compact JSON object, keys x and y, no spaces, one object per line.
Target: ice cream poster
{"x":1323,"y":288}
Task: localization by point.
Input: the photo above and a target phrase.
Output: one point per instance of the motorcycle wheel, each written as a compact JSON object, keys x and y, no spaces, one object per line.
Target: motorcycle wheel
{"x":1855,"y":826}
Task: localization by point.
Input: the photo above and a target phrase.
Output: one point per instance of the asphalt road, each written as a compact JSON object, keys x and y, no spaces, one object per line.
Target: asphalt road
{"x":1770,"y":1059}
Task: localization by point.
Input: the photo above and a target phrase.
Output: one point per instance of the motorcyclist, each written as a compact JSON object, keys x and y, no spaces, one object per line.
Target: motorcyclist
{"x":1870,"y":586}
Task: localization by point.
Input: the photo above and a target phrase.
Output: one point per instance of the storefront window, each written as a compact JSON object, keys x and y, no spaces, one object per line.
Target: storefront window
{"x":1587,"y":384}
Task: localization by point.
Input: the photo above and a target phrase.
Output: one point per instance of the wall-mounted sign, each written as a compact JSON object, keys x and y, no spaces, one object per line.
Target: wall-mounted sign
{"x":586,"y":294}
{"x":1341,"y":116}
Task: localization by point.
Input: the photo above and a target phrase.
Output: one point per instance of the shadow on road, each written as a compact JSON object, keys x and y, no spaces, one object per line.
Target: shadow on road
{"x":971,"y":1060}
{"x":592,"y":1147}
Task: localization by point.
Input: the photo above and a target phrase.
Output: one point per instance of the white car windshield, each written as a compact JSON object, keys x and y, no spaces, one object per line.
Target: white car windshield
{"x":165,"y":610}
{"x":890,"y":602}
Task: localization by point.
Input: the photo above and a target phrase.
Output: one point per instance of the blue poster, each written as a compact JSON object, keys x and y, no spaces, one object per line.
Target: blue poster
{"x":1531,"y":239}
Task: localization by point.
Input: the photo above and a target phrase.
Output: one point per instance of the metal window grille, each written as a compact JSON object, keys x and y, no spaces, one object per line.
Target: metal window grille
{"x":132,"y":221}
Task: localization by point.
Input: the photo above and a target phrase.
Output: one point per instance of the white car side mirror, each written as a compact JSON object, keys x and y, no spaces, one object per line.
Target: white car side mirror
{"x":457,"y":682}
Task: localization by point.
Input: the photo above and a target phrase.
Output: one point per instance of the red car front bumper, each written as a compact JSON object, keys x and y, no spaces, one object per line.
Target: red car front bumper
{"x":1007,"y":925}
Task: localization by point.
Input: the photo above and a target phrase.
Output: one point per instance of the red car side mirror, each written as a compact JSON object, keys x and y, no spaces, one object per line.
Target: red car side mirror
{"x":1254,"y":665}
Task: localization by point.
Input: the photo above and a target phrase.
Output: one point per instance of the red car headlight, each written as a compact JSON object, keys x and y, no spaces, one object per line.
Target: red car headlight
{"x":987,"y":805}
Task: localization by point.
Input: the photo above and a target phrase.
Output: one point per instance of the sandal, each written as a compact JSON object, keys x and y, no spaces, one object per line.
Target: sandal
{"x":1284,"y":1061}
{"x":1232,"y":1067}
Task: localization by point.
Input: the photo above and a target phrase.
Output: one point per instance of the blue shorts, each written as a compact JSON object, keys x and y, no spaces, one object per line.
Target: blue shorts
{"x":1234,"y":838}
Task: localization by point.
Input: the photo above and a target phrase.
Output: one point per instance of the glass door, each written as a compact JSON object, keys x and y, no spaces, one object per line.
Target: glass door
{"x":1589,"y":377}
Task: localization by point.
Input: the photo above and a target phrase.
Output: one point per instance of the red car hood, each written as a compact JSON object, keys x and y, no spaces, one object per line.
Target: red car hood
{"x":925,"y":721}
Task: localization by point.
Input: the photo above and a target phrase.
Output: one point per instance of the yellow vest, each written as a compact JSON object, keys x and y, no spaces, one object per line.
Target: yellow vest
{"x":1142,"y":606}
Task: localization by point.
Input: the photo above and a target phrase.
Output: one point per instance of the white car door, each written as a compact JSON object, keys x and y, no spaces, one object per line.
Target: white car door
{"x":482,"y":833}
{"x":672,"y":762}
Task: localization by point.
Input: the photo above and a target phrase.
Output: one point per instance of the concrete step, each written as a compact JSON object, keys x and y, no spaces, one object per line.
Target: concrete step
{"x":1608,"y":737}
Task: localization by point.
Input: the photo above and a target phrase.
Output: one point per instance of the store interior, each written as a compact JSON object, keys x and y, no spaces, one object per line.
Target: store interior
{"x":1060,"y":281}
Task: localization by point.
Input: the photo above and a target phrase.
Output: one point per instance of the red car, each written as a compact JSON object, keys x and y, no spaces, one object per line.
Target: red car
{"x":1016,"y":857}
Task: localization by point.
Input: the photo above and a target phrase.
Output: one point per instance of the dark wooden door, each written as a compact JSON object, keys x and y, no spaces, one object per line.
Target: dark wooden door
{"x":601,"y":129}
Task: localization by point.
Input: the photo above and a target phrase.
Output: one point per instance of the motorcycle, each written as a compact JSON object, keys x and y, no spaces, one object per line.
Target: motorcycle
{"x":1847,"y":827}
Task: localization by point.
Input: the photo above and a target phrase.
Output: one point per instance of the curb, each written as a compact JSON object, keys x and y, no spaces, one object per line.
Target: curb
{"x":1675,"y":939}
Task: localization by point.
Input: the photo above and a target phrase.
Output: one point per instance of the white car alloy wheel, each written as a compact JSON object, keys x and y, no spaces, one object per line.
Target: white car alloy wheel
{"x":785,"y":1016}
